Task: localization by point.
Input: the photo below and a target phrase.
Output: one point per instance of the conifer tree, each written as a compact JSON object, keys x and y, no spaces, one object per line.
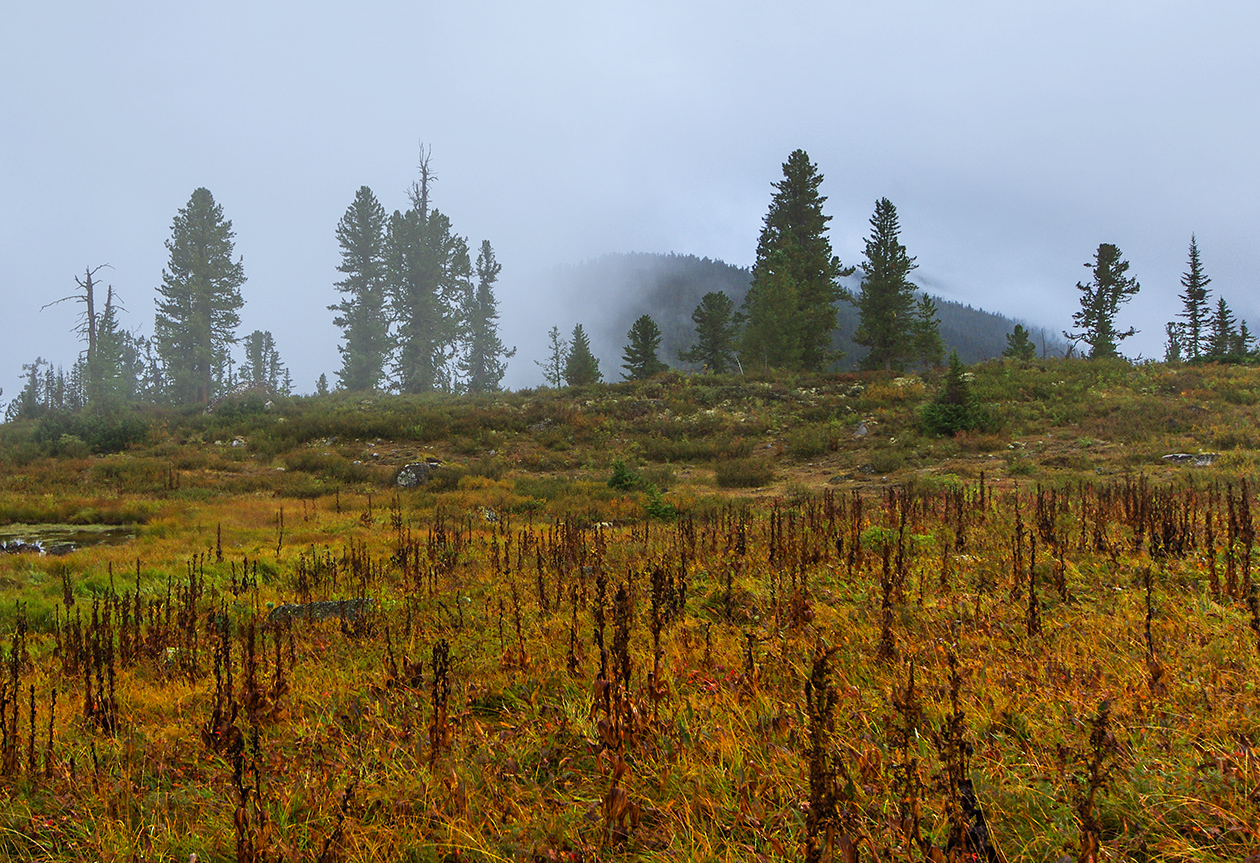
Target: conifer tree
{"x":794,"y":285}
{"x":886,"y":302}
{"x":428,"y":272}
{"x":361,"y":314}
{"x":716,"y":329}
{"x":1019,"y":345}
{"x":1100,"y":301}
{"x":640,"y":359}
{"x":262,"y":366}
{"x":772,"y":335}
{"x":428,"y":277}
{"x":928,"y":345}
{"x":580,"y":365}
{"x":199,"y":300}
{"x":558,"y":350}
{"x":485,"y":359}
{"x":1194,"y":305}
{"x":1222,"y":334}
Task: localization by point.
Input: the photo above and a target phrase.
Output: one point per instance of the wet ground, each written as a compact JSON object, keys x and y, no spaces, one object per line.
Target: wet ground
{"x":61,"y":538}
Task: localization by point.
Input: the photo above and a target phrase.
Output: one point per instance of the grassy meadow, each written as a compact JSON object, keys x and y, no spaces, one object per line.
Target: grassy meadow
{"x":692,"y":618}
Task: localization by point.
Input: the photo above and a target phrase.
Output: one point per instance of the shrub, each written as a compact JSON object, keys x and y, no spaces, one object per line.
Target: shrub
{"x":743,"y":473}
{"x":955,"y":409}
{"x":622,"y":479}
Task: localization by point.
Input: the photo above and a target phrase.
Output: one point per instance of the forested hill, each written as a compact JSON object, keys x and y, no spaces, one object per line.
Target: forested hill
{"x":608,"y":293}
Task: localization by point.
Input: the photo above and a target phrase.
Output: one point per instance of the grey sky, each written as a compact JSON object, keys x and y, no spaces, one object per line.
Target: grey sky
{"x":1013,"y":138}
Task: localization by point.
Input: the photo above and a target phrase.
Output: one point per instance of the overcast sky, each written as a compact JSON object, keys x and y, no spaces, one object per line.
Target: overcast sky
{"x":1013,"y":137}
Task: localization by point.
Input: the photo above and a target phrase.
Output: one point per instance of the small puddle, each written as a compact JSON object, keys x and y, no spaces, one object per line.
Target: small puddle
{"x":57,"y":539}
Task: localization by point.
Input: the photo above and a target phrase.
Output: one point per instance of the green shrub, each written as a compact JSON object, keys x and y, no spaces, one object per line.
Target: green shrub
{"x":743,"y":473}
{"x":622,"y":479}
{"x":956,"y":408}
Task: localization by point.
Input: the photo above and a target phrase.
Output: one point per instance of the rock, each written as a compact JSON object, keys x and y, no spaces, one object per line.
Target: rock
{"x":349,"y":610}
{"x":60,"y":549}
{"x":860,"y":432}
{"x":19,"y":548}
{"x":1202,"y":459}
{"x":414,"y":475}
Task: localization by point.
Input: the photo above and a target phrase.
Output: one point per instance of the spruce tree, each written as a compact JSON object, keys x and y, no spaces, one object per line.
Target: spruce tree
{"x":558,"y":350}
{"x":640,"y":359}
{"x":716,"y":330}
{"x":428,"y":273}
{"x":886,"y":301}
{"x":928,"y":346}
{"x":1100,"y":300}
{"x":580,"y":365}
{"x":199,"y":300}
{"x":1019,"y":345}
{"x":772,"y":333}
{"x":794,"y":282}
{"x":1194,"y":305}
{"x":361,"y":313}
{"x":1222,"y":334}
{"x":262,"y":366}
{"x":485,"y":358}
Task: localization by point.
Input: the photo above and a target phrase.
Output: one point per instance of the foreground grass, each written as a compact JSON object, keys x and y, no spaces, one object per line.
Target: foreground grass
{"x":351,"y":747}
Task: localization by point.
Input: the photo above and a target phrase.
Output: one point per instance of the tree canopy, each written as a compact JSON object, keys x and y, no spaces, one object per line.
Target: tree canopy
{"x":790,"y":305}
{"x":1101,"y":297}
{"x":199,"y":300}
{"x":886,"y":301}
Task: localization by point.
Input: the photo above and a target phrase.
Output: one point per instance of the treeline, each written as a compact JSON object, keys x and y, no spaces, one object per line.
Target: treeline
{"x":417,"y":315}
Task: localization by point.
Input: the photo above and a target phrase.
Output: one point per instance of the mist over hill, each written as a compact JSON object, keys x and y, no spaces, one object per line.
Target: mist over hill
{"x":608,"y":293}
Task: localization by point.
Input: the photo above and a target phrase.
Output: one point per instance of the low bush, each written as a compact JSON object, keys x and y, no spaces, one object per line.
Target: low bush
{"x":743,"y":473}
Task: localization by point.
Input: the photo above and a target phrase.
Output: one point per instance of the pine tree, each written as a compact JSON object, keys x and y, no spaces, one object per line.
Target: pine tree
{"x":1174,"y":344}
{"x":716,"y":331}
{"x":1100,"y":301}
{"x":262,"y":366}
{"x":1019,"y":345}
{"x":428,"y":274}
{"x":199,"y":300}
{"x":1222,"y":334}
{"x":321,"y":385}
{"x":361,"y":313}
{"x":485,"y":359}
{"x":558,"y":350}
{"x":640,"y":359}
{"x":772,"y":336}
{"x":928,"y":345}
{"x":886,"y":301}
{"x":580,"y":365}
{"x":1194,"y":305}
{"x":955,"y":408}
{"x":790,"y":305}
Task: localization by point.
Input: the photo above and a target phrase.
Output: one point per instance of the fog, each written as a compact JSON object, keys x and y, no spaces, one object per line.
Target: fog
{"x":1013,"y":139}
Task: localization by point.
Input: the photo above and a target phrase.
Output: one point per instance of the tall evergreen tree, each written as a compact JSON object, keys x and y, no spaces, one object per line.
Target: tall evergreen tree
{"x":485,"y":359}
{"x":1222,"y":334}
{"x":1100,"y":301}
{"x":886,"y":302}
{"x":639,"y":358}
{"x":1194,"y":305}
{"x":716,"y":330}
{"x":262,"y":366}
{"x":794,"y":284}
{"x":199,"y":300}
{"x":580,"y":365}
{"x":361,"y":314}
{"x":928,"y":346}
{"x":428,"y":274}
